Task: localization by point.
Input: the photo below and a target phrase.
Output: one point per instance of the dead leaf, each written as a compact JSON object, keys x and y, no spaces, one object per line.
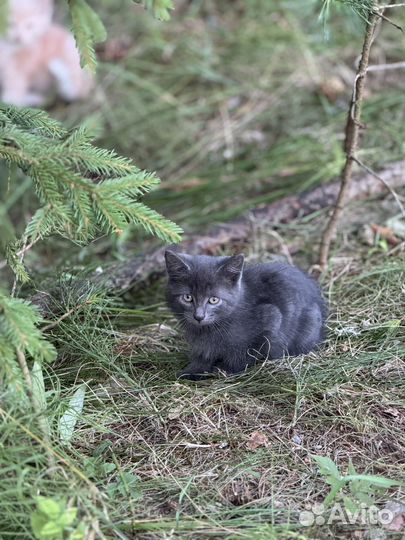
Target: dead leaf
{"x":175,"y":413}
{"x":397,"y":524}
{"x":398,"y":511}
{"x":391,"y":411}
{"x":387,"y":233}
{"x":256,"y":440}
{"x":366,"y":235}
{"x":332,"y":88}
{"x":297,"y":439}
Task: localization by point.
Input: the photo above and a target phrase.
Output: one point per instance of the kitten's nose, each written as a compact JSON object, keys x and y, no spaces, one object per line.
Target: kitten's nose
{"x":199,"y":316}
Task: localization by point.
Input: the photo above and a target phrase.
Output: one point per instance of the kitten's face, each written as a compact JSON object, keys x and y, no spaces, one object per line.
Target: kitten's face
{"x":28,"y":20}
{"x":202,"y":291}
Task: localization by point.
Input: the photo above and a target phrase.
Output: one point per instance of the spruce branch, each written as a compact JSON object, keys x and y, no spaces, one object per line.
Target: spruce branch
{"x":88,"y":29}
{"x":362,"y":8}
{"x":351,"y":138}
{"x":19,"y":322}
{"x":34,"y":120}
{"x":83,"y":190}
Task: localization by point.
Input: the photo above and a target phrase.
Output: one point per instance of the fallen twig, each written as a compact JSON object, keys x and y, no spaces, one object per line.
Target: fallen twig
{"x":136,"y":271}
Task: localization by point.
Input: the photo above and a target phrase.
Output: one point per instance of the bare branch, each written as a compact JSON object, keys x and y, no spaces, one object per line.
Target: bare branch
{"x":351,"y":140}
{"x":385,"y":18}
{"x":389,"y":6}
{"x":386,"y":67}
{"x":390,"y":189}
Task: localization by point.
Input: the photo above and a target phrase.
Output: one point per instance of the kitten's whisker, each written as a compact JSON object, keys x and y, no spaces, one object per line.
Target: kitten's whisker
{"x":222,"y":331}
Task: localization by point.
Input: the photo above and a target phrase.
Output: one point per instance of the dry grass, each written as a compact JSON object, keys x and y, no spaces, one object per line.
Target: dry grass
{"x":231,"y":457}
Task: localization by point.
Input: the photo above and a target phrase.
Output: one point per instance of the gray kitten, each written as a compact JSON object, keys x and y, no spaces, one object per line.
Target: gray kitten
{"x":232,"y":314}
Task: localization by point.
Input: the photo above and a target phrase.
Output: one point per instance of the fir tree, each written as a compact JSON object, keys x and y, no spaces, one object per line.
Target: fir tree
{"x":83,"y":191}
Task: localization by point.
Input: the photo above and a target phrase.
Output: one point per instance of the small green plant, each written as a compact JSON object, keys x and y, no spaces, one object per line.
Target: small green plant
{"x":127,"y":485}
{"x":54,"y":520}
{"x":352,"y":488}
{"x":96,"y":468}
{"x":67,"y":421}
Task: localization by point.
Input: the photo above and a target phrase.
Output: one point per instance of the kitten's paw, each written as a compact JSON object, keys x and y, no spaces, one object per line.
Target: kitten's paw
{"x":192,"y":375}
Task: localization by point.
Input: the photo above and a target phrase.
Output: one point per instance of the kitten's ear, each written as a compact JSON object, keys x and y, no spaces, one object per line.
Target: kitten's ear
{"x":232,"y":268}
{"x":176,"y":265}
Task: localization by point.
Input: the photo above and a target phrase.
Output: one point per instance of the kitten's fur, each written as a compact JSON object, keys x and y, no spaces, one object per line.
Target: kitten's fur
{"x":37,"y":55}
{"x":272,"y":308}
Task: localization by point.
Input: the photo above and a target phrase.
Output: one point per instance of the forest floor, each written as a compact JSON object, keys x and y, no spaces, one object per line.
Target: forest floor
{"x":234,"y":107}
{"x":231,"y":457}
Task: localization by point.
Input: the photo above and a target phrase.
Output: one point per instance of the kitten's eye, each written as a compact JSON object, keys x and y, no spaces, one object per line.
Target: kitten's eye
{"x":187,"y":297}
{"x":213,"y":300}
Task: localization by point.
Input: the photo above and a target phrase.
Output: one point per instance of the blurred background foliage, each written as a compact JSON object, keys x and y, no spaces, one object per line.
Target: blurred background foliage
{"x":233,"y":104}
